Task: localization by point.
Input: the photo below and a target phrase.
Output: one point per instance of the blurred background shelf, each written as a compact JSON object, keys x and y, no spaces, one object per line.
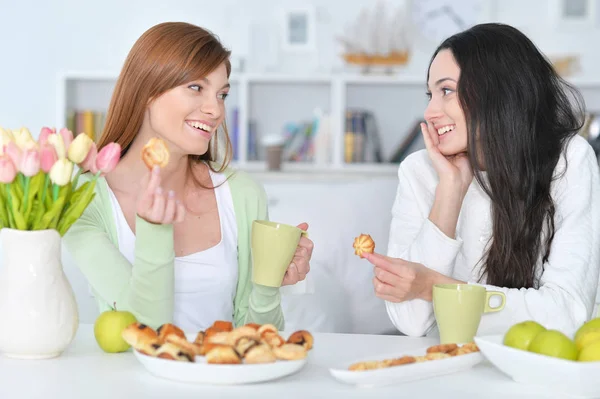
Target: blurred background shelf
{"x":335,"y":125}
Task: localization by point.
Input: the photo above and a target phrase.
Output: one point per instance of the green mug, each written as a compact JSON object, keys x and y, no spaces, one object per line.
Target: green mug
{"x":458,"y":309}
{"x":273,"y":246}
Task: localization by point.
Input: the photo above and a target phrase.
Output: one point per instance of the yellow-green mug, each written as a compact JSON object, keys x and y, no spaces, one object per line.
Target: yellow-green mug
{"x":458,"y":309}
{"x":273,"y":246}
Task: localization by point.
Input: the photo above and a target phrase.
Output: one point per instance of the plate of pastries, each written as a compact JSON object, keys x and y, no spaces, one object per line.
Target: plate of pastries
{"x":410,"y":365}
{"x":221,"y":354}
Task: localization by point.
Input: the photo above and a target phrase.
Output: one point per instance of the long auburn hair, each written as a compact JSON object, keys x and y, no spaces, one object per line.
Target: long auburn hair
{"x":520,"y":115}
{"x":165,"y":56}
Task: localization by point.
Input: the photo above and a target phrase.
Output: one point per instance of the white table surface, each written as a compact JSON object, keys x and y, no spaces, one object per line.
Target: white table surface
{"x":84,"y":371}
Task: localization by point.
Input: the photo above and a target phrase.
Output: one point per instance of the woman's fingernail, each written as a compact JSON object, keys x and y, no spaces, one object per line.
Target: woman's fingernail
{"x":159,"y":190}
{"x":156,"y":169}
{"x":171,"y":194}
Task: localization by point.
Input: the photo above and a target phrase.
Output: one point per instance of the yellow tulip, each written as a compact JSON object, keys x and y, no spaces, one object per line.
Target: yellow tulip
{"x":61,"y":172}
{"x":23,"y":139}
{"x":57,"y":142}
{"x":79,"y":148}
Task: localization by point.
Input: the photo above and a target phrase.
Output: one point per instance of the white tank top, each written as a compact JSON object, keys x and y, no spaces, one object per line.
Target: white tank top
{"x":206,"y":281}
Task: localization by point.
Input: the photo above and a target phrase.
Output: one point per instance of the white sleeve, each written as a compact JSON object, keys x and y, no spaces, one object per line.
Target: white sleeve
{"x":569,"y":281}
{"x":413,"y":237}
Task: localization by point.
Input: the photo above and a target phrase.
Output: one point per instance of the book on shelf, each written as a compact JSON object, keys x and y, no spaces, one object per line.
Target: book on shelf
{"x":412,"y":142}
{"x":86,"y":121}
{"x":361,"y":137}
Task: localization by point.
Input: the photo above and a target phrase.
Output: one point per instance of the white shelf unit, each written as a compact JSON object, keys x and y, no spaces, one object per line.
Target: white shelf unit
{"x":271,"y":100}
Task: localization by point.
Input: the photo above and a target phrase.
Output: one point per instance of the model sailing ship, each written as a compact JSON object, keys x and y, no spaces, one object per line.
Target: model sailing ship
{"x":374,"y":39}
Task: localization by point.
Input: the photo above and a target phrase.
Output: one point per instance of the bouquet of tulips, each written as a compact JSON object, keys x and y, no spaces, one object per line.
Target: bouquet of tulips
{"x":37,"y":188}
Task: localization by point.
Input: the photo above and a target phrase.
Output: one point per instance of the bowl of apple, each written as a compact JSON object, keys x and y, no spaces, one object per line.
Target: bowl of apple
{"x":529,"y":353}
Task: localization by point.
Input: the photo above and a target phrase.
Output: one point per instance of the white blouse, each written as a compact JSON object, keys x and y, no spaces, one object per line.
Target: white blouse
{"x":206,"y":281}
{"x":569,"y":282}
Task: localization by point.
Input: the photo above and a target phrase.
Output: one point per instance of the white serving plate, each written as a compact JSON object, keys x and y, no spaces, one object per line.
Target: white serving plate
{"x":201,"y":372}
{"x":406,"y":372}
{"x":577,"y":379}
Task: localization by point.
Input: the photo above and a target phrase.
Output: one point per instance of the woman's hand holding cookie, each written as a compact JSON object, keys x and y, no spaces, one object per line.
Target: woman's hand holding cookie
{"x":156,"y":206}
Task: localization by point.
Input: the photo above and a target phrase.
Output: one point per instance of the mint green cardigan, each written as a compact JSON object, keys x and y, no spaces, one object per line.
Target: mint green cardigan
{"x":146,"y":288}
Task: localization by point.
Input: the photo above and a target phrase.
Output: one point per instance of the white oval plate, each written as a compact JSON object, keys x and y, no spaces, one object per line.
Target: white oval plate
{"x":218,"y":374}
{"x":406,"y":372}
{"x":578,"y":379}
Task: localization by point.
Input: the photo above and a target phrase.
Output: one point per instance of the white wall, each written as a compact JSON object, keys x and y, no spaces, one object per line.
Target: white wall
{"x":39,"y":40}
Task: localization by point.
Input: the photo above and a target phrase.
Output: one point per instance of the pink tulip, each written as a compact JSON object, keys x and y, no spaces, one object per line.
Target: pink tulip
{"x":44,"y":134}
{"x":67,"y":136}
{"x":8,"y":170}
{"x":14,"y":152}
{"x":47,"y":157}
{"x":30,"y":163}
{"x":89,"y":163}
{"x":108,"y":158}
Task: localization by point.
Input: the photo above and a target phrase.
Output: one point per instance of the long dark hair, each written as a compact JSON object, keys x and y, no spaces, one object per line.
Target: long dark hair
{"x":520,"y":114}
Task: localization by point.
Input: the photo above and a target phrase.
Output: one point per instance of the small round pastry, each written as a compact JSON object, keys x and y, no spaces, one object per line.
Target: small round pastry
{"x":303,"y":338}
{"x":223,"y":355}
{"x":174,"y":352}
{"x":442,"y":348}
{"x":368,"y":365}
{"x":402,"y":360}
{"x":260,"y":354}
{"x":437,"y":356}
{"x":289,"y":352}
{"x":167,"y":329}
{"x":363,"y":244}
{"x":155,"y":152}
{"x":135,"y":332}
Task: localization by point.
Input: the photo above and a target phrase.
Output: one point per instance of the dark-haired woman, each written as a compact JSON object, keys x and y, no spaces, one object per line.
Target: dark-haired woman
{"x":506,"y":194}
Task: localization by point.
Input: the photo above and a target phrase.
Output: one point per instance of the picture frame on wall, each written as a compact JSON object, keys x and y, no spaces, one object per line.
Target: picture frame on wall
{"x":576,"y":13}
{"x":299,"y":29}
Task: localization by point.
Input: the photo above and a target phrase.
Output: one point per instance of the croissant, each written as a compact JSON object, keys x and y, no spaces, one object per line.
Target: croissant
{"x":173,"y":352}
{"x":137,"y":332}
{"x":303,"y":338}
{"x":289,"y":352}
{"x":363,"y":244}
{"x":155,"y":152}
{"x":223,"y":325}
{"x":267,"y":328}
{"x":189,"y":347}
{"x":260,"y":354}
{"x":223,"y":355}
{"x":167,"y":329}
{"x":244,"y":344}
{"x":148,"y":346}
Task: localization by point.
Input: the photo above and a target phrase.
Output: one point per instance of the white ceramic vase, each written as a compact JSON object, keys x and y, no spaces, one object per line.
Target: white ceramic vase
{"x":38,"y":311}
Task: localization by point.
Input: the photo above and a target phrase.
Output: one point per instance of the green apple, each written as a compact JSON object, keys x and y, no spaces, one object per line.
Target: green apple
{"x":520,"y":335}
{"x":108,"y":328}
{"x":590,"y":324}
{"x":554,"y":343}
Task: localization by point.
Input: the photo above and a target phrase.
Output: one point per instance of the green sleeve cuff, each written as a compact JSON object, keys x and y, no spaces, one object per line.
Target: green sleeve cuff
{"x":154,"y":242}
{"x":264,"y":299}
